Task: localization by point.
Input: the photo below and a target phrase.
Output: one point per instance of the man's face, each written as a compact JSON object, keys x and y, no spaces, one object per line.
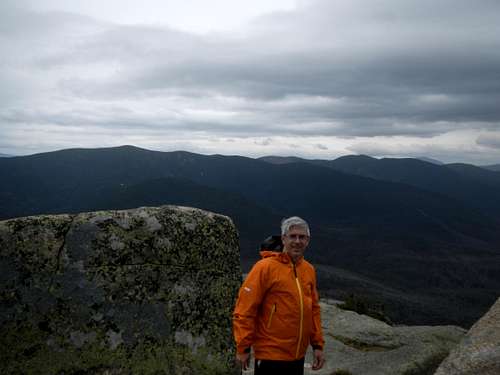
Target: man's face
{"x":295,"y":242}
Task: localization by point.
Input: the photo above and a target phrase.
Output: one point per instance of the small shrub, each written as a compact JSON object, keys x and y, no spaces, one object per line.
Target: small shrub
{"x":365,"y":307}
{"x":341,"y":372}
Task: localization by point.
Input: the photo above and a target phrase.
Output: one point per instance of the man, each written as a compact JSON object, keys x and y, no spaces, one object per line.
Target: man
{"x":277,"y":312}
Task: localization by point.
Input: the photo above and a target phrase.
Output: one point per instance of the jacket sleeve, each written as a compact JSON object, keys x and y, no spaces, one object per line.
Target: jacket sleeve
{"x":316,"y":339}
{"x":245,"y":313}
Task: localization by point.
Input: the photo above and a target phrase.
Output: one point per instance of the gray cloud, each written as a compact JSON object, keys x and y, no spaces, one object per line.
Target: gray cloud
{"x":489,"y":140}
{"x":264,"y":142}
{"x":344,"y":69}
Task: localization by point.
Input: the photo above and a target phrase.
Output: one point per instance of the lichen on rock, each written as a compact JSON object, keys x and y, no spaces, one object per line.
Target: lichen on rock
{"x":148,"y":290}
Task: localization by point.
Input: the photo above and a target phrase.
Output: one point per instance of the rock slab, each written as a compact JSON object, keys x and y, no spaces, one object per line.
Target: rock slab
{"x":360,"y":345}
{"x":143,"y":291}
{"x":479,"y":351}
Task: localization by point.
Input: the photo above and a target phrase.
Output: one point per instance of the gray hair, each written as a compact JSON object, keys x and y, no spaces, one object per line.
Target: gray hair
{"x":294,"y":221}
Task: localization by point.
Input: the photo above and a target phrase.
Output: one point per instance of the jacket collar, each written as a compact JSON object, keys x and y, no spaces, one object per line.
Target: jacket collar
{"x":279,"y":256}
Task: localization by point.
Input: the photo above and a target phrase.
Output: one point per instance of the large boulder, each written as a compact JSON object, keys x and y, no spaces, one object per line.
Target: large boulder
{"x":143,"y":291}
{"x":360,"y":345}
{"x":479,"y":351}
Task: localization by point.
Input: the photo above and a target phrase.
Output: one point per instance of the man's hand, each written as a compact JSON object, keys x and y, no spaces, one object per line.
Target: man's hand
{"x":244,"y":360}
{"x":319,"y":359}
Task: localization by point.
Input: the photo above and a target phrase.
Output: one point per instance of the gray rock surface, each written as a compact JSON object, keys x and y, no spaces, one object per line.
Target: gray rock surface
{"x":479,"y":351}
{"x":144,"y":291}
{"x":360,"y":345}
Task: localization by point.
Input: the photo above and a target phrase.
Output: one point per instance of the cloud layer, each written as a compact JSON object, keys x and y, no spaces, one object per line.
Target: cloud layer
{"x":321,"y":80}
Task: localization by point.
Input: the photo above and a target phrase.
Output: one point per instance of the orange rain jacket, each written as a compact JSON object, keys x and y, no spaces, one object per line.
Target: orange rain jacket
{"x":277,"y":311}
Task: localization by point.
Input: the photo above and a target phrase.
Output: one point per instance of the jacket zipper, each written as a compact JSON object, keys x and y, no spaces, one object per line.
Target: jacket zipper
{"x":273,"y":310}
{"x":301,"y":311}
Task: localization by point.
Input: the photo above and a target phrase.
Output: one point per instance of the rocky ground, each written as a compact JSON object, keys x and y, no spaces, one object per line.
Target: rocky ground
{"x":479,"y":350}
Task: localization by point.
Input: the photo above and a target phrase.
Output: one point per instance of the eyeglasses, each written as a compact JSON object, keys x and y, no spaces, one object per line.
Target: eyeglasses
{"x":300,"y":237}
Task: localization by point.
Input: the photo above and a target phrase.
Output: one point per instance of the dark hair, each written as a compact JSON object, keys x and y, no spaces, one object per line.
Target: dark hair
{"x":272,"y":243}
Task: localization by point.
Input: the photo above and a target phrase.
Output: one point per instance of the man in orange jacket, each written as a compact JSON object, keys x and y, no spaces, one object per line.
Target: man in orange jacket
{"x":277,"y":311}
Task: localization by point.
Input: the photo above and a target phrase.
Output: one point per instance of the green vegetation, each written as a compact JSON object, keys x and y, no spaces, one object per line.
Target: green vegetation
{"x":362,"y":346}
{"x":29,"y":350}
{"x":427,"y":368}
{"x":341,"y":372}
{"x":364,"y":306}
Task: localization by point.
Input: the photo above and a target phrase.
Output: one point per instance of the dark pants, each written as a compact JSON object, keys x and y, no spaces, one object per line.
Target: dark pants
{"x":267,"y":367}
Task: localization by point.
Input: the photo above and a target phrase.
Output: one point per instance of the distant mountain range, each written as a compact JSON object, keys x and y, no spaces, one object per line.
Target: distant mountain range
{"x":418,"y":237}
{"x":494,"y":167}
{"x":5,"y":155}
{"x":430,"y":160}
{"x":476,"y":186}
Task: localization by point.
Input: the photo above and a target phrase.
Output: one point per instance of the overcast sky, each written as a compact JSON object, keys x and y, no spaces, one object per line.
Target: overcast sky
{"x":309,"y":78}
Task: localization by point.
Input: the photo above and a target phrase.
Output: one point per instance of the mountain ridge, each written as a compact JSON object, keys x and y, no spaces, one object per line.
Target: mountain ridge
{"x":393,"y":233}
